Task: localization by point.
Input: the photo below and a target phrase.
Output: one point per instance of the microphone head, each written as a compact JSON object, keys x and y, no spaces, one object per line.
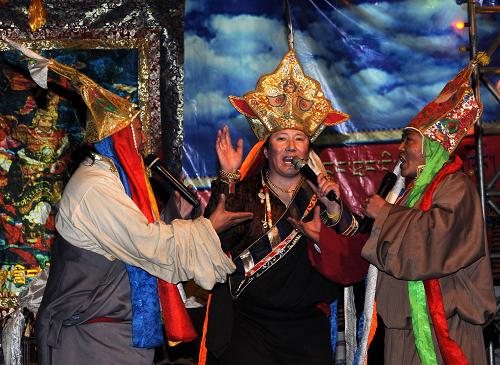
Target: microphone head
{"x":388,"y":182}
{"x":298,"y":163}
{"x":390,"y":178}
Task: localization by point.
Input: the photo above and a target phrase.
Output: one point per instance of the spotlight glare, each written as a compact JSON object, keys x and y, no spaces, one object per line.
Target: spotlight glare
{"x":458,"y":25}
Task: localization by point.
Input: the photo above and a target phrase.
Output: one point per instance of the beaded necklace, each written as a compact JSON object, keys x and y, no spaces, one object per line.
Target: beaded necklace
{"x":276,"y":187}
{"x":267,"y":222}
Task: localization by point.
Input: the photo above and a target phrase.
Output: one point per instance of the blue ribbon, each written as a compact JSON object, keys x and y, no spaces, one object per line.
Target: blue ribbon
{"x":146,"y":314}
{"x":334,"y":326}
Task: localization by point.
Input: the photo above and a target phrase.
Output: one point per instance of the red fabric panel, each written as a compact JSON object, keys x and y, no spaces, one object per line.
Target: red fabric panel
{"x":340,"y":258}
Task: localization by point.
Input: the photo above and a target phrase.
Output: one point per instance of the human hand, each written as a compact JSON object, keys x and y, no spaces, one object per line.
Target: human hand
{"x":229,"y":157}
{"x":325,"y":185}
{"x":373,"y":205}
{"x":312,"y":228}
{"x":222,"y":220}
{"x":183,"y":206}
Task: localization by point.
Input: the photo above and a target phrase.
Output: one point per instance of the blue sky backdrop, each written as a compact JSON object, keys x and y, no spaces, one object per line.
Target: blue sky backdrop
{"x":379,"y":61}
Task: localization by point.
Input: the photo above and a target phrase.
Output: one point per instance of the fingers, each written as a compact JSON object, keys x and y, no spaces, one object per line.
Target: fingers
{"x":221,"y":203}
{"x":316,"y":213}
{"x":192,"y":189}
{"x":239,"y":145}
{"x":325,"y":185}
{"x":299,"y":225}
{"x":240,"y":217}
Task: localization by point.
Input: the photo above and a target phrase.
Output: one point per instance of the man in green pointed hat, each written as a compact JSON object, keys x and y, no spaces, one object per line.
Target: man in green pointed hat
{"x":434,"y":290}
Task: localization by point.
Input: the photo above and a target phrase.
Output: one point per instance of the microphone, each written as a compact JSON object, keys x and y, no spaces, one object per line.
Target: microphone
{"x":156,"y":165}
{"x":385,"y":187}
{"x":302,"y":166}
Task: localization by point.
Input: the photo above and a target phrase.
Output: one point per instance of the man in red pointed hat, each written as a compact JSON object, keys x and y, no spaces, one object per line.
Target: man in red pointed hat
{"x":434,"y":290}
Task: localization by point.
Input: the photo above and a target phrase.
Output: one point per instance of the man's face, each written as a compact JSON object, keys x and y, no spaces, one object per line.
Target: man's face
{"x":411,"y":153}
{"x":283,"y":146}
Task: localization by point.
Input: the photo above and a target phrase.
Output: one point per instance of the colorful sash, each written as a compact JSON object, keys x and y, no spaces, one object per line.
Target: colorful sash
{"x":429,"y":292}
{"x":267,"y":250}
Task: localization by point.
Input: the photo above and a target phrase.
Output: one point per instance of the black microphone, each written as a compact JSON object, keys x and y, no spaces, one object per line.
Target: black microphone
{"x":365,"y":226}
{"x":156,"y":165}
{"x":309,"y":174}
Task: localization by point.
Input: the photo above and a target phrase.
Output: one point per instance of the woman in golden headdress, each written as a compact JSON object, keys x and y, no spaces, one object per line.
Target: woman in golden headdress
{"x":268,"y":311}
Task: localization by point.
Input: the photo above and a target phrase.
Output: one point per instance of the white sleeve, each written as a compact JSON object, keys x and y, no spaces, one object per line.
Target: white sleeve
{"x":183,"y":250}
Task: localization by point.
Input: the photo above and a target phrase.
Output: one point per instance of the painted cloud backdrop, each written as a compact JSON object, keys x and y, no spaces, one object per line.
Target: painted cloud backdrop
{"x":380,"y":62}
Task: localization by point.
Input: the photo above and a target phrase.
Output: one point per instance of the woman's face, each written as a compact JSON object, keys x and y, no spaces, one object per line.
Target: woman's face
{"x":282,"y":147}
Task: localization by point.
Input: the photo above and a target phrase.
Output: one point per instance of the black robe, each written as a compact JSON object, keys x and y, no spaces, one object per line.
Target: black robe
{"x":275,"y":319}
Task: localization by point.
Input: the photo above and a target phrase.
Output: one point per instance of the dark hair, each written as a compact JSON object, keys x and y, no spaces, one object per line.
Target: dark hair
{"x":79,"y":154}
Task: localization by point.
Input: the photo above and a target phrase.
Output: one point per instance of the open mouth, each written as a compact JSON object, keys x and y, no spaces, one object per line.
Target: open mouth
{"x":403,"y":160}
{"x":288,"y":159}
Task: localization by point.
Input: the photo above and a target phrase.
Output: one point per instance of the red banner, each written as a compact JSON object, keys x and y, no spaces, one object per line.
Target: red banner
{"x":360,"y":168}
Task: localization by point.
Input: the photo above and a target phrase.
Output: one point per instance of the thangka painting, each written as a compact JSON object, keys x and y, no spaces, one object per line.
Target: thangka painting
{"x":39,"y":130}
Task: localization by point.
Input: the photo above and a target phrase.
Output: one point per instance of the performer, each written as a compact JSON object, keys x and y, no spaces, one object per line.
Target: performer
{"x":102,"y":300}
{"x":434,"y":288}
{"x":268,"y":311}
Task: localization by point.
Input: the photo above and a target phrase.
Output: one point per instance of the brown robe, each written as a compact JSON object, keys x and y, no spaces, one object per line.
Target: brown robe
{"x":447,"y":242}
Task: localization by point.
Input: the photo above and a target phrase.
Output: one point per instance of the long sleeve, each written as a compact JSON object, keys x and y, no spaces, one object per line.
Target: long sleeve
{"x":96,"y":214}
{"x":409,"y":244}
{"x":339,"y":257}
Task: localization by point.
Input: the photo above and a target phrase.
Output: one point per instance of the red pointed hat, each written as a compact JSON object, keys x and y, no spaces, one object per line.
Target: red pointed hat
{"x":449,"y":117}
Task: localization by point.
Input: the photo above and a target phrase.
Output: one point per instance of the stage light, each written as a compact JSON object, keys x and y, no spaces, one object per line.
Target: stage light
{"x":459,"y":25}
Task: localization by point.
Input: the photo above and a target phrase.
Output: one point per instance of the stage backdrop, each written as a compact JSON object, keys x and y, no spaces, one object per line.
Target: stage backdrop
{"x":379,"y":61}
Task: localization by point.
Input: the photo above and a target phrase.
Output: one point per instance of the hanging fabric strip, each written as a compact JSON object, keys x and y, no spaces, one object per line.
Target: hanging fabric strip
{"x":350,"y":325}
{"x":334,"y":326}
{"x":146,"y":329}
{"x":369,"y":324}
{"x":420,"y":323}
{"x":368,"y":314}
{"x":177,"y":323}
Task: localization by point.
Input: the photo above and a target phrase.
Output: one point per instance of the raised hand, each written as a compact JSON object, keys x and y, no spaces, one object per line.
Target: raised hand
{"x":229,"y":157}
{"x":222,"y":220}
{"x":312,"y":228}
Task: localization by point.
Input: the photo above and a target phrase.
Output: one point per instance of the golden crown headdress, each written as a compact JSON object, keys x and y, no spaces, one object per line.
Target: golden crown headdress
{"x":287,"y":99}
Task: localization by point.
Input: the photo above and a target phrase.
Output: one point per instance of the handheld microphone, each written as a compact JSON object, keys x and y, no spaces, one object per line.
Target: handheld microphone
{"x":156,"y":165}
{"x":302,"y":166}
{"x":385,"y":187}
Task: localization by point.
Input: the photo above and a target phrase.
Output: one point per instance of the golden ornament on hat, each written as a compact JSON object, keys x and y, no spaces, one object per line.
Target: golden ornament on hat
{"x":108,"y":113}
{"x":287,"y":99}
